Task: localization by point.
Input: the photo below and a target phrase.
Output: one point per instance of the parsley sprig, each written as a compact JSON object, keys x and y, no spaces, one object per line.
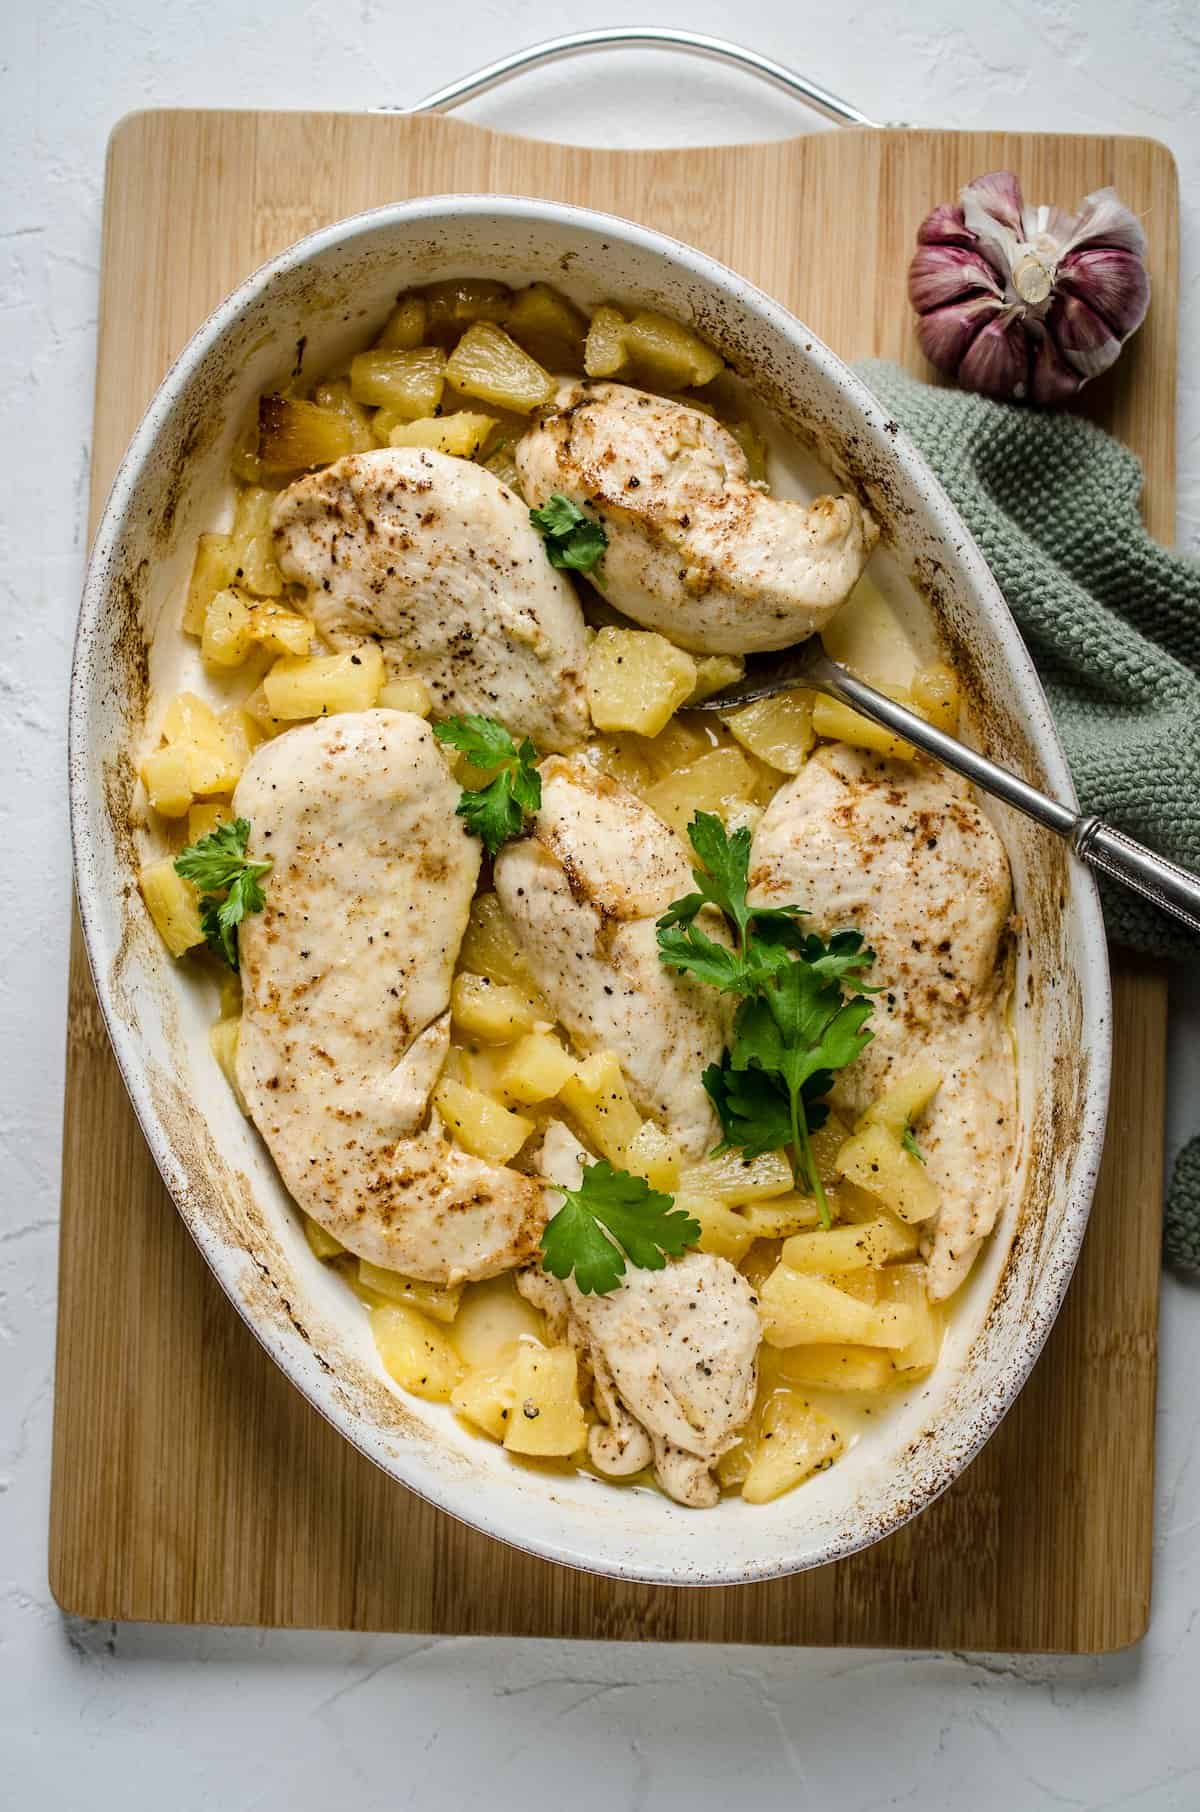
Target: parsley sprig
{"x":496,"y":811}
{"x":613,"y":1216}
{"x":572,"y":538}
{"x":795,"y":1026}
{"x":228,"y":883}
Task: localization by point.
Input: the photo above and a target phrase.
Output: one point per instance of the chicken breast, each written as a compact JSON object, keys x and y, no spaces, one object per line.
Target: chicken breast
{"x":672,"y":1355}
{"x":582,"y":895}
{"x":901,"y":852}
{"x":346,"y":987}
{"x":437,"y":561}
{"x":694,"y":549}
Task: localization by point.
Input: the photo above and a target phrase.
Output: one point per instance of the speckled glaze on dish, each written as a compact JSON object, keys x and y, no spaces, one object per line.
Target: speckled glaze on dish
{"x":312,"y":304}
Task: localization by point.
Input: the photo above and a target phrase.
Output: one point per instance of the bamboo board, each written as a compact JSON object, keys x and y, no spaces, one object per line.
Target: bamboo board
{"x":191,"y":1483}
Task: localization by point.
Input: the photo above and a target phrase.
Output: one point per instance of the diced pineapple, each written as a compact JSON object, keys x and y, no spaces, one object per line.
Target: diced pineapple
{"x":212,"y":570}
{"x":778,"y":730}
{"x":414,"y":1352}
{"x":173,"y":904}
{"x":213,"y":764}
{"x":493,"y":1322}
{"x":167,"y":778}
{"x":937,"y":695}
{"x":278,"y":629}
{"x":547,"y":1418}
{"x":713,"y":673}
{"x":535,"y":1069}
{"x":337,"y":395}
{"x":321,"y":1244}
{"x":793,"y":1441}
{"x":485,"y":1396}
{"x":461,"y":433}
{"x":406,"y":327}
{"x":830,"y":1367}
{"x":260,"y":714}
{"x":242,"y":734}
{"x":256,"y":568}
{"x":626,"y":759}
{"x":719,"y":782}
{"x":408,"y":383}
{"x":875,"y":1160}
{"x":825,"y":1144}
{"x":604,"y":354}
{"x":838,"y":723}
{"x":636,"y":680}
{"x":905,"y":1100}
{"x":668,"y":355}
{"x":723,"y":1231}
{"x":478,"y":1123}
{"x":808,"y":1311}
{"x":458,"y":302}
{"x":733,"y":1179}
{"x":683,"y":741}
{"x":409,"y":693}
{"x":489,"y":947}
{"x":906,"y":1285}
{"x":223,"y":1043}
{"x":488,"y":364}
{"x":597,"y":1099}
{"x":753,"y":446}
{"x":207,"y":817}
{"x":227,"y":637}
{"x":494,"y":1012}
{"x":326,"y":684}
{"x":827,"y":1251}
{"x":759,"y":1262}
{"x":295,"y":435}
{"x":652,"y":1154}
{"x":782,"y":1216}
{"x":549,"y":327}
{"x":438,"y":1300}
{"x":503,"y":466}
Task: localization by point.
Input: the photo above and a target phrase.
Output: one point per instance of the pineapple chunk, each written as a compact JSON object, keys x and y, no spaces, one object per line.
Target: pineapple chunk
{"x":242,"y":735}
{"x":905,"y":1284}
{"x":489,"y":947}
{"x":494,"y":1321}
{"x":212,"y":570}
{"x":227,"y":637}
{"x":492,"y":1011}
{"x":535,"y":1069}
{"x":258,"y":712}
{"x":830,"y":1367}
{"x":652,"y":1154}
{"x":324,"y":685}
{"x":336,"y":395}
{"x":667,"y":354}
{"x":478,"y":1123}
{"x":548,"y":326}
{"x":793,"y":1441}
{"x":732,"y":1179}
{"x":414,"y":1352}
{"x":488,"y":364}
{"x":597,"y":1099}
{"x":636,"y":680}
{"x":207,"y":817}
{"x":438,"y":1300}
{"x":875,"y":1160}
{"x":294,"y":435}
{"x":720,"y":782}
{"x":406,"y":327}
{"x":604,"y":354}
{"x":279,"y":629}
{"x":460,"y":433}
{"x":173,"y":904}
{"x":213,"y":763}
{"x":407,"y":694}
{"x":782,"y":1216}
{"x":723,"y":1231}
{"x":223,"y":1043}
{"x":936,"y":694}
{"x":808,"y":1311}
{"x":905,"y":1100}
{"x":682,"y":742}
{"x":778,"y":730}
{"x":713,"y":673}
{"x":254,"y":548}
{"x":458,"y":302}
{"x":167,"y":778}
{"x":503,"y":466}
{"x":827,"y":1251}
{"x":547,"y":1418}
{"x":408,"y":383}
{"x":321,"y":1244}
{"x":838,"y":723}
{"x":753,"y":446}
{"x":485,"y":1396}
{"x":625,"y":759}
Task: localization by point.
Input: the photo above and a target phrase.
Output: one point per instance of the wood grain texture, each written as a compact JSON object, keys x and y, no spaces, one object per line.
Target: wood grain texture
{"x":191,"y":1482}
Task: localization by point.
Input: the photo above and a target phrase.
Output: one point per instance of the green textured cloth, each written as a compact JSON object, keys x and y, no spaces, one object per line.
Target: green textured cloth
{"x":1112,"y":620}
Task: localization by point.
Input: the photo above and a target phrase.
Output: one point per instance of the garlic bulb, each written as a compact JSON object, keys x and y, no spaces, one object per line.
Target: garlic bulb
{"x":1019,"y":301}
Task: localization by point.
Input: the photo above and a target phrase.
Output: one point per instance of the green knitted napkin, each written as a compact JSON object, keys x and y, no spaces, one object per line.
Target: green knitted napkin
{"x":1112,"y":621}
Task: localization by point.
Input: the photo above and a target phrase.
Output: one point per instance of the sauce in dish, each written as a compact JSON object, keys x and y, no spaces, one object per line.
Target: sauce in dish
{"x":646,"y":1075}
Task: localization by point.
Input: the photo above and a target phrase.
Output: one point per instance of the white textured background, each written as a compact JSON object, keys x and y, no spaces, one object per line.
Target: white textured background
{"x":106,"y":1716}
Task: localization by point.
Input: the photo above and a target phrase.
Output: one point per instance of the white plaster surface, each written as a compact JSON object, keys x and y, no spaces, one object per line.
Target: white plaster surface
{"x":142,"y":1717}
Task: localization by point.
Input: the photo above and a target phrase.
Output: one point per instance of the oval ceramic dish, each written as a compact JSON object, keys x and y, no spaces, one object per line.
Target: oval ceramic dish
{"x":316,"y":301}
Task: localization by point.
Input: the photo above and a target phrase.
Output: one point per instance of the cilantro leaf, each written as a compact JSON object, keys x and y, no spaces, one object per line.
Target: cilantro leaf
{"x":572,"y":539}
{"x":613,"y":1216}
{"x":909,"y":1141}
{"x":228,"y":883}
{"x":497,"y":811}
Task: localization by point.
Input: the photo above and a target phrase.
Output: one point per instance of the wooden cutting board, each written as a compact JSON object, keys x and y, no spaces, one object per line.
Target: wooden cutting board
{"x":191,"y":1483}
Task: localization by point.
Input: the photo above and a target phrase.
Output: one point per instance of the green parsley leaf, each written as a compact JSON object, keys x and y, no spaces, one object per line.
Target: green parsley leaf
{"x":228,"y":883}
{"x":611,"y":1217}
{"x":909,"y":1141}
{"x":754,"y":1109}
{"x":762,"y":935}
{"x":497,"y":811}
{"x":572,"y":539}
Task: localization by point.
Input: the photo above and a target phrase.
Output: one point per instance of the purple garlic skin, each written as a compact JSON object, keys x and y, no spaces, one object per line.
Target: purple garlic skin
{"x":1027,"y":302}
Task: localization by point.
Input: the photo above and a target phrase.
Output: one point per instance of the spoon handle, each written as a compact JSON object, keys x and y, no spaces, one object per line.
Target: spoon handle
{"x":1110,"y":851}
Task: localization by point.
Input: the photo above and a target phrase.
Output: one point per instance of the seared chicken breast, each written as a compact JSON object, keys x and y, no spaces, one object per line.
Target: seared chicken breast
{"x":901,"y":852}
{"x":346,"y":986}
{"x":672,"y":1355}
{"x":436,"y":560}
{"x":694,"y":549}
{"x":582,"y":894}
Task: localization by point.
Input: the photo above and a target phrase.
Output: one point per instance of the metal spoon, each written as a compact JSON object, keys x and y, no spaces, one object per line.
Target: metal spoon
{"x":1111,"y":851}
